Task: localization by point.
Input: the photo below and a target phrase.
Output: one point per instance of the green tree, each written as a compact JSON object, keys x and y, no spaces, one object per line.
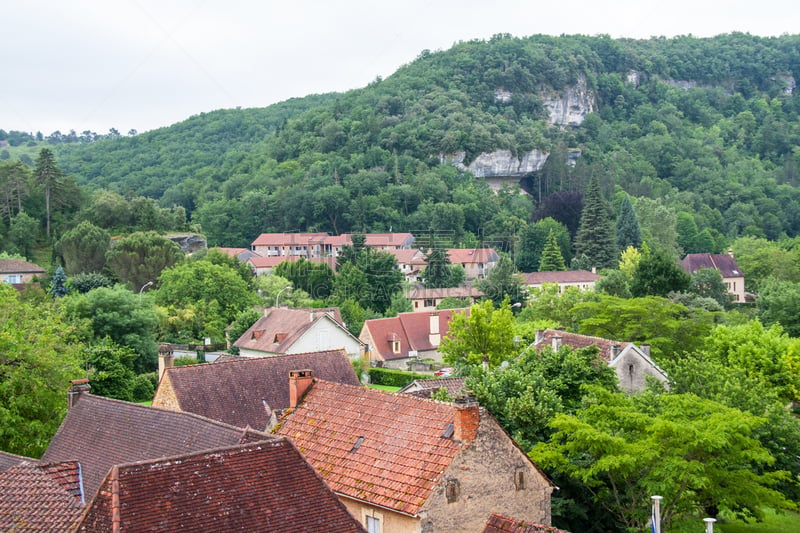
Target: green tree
{"x":595,"y":238}
{"x":83,"y":283}
{"x":532,"y":240}
{"x":779,"y":303}
{"x":121,"y":315}
{"x":707,"y":282}
{"x":58,"y":284}
{"x":440,"y":272}
{"x":696,"y":453}
{"x":14,"y":188}
{"x":314,"y":278}
{"x":83,"y":248}
{"x":50,"y":178}
{"x":613,"y":283}
{"x":503,"y":281}
{"x":483,"y":332}
{"x":22,"y":233}
{"x":657,"y":274}
{"x":551,"y":255}
{"x":628,"y":231}
{"x":141,"y":257}
{"x":40,"y":352}
{"x":111,"y":370}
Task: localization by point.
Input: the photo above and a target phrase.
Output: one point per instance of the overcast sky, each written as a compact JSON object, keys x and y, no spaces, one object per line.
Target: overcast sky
{"x":144,"y":64}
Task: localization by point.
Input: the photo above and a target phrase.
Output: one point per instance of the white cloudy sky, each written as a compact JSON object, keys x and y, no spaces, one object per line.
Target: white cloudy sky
{"x":143,"y":64}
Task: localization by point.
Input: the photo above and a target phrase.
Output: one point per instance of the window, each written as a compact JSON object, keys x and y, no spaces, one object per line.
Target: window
{"x":373,"y":525}
{"x":13,"y":278}
{"x":395,"y":346}
{"x":372,"y":519}
{"x":519,"y":478}
{"x":430,"y":303}
{"x":452,"y":490}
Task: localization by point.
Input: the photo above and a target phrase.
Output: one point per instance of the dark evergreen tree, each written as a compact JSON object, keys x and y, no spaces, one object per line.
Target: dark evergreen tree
{"x":552,"y":260}
{"x":503,"y":281}
{"x":596,"y":237}
{"x":628,"y":231}
{"x":58,"y":285}
{"x":49,"y":177}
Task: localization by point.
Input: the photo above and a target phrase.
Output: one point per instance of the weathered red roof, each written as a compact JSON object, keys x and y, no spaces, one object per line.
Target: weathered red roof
{"x":581,"y":341}
{"x":289,"y":239}
{"x":263,"y":486}
{"x":18,"y":266}
{"x":408,"y":256}
{"x":40,"y":497}
{"x":498,"y":523}
{"x":373,"y":240}
{"x":724,"y":263}
{"x":386,"y":449}
{"x":101,"y":432}
{"x":449,"y":292}
{"x":424,"y":388}
{"x":411,"y":329}
{"x":245,"y":391}
{"x":7,"y":460}
{"x":564,"y":276}
{"x":282,"y":326}
{"x":463,"y":256}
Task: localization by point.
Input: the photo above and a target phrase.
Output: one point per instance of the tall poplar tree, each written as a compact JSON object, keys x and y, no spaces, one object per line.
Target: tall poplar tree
{"x":552,"y":260}
{"x":595,"y":238}
{"x":628,"y":231}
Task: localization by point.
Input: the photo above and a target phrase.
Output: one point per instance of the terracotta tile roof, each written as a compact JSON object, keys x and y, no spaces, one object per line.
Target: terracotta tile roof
{"x":18,"y":266}
{"x":264,"y":486}
{"x":281,"y":327}
{"x":581,"y":341}
{"x":373,"y":240}
{"x":498,"y":523}
{"x":424,"y":388}
{"x":411,"y":329}
{"x":462,"y":256}
{"x":101,"y":432}
{"x":40,"y":497}
{"x":565,"y":276}
{"x":724,"y":263}
{"x":450,"y":292}
{"x":298,"y":239}
{"x":236,"y":391}
{"x":7,"y":460}
{"x":272,"y":261}
{"x":385,"y":449}
{"x":408,"y":256}
{"x":237,"y":253}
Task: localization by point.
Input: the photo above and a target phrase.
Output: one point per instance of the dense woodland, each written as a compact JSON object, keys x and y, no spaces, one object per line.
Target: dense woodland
{"x":694,"y":146}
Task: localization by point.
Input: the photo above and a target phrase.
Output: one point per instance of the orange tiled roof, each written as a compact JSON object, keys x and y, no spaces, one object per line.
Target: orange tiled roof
{"x":411,"y":329}
{"x":288,"y":239}
{"x":564,"y":276}
{"x":581,"y":341}
{"x":463,"y":256}
{"x":385,"y":449}
{"x":281,"y":327}
{"x":498,"y":523}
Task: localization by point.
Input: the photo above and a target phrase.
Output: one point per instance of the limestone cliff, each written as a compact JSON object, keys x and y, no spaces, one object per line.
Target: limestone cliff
{"x":569,"y":106}
{"x":500,"y":163}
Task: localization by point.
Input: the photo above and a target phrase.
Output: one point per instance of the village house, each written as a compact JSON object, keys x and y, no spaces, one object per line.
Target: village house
{"x":410,"y":262}
{"x":427,"y":299}
{"x":260,"y":486}
{"x":242,"y":254}
{"x":285,"y":330}
{"x":631,"y":363}
{"x":405,"y":464}
{"x":725,"y":264}
{"x":315,"y":245}
{"x":18,"y":272}
{"x":477,"y":262}
{"x":384,"y":242}
{"x":396,"y":341}
{"x":581,"y":279}
{"x":244,"y":391}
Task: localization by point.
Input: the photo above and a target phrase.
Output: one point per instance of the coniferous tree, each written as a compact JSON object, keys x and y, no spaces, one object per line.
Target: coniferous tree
{"x":628,"y":231}
{"x":49,"y":177}
{"x":552,"y":260}
{"x":58,"y":285}
{"x":596,"y":237}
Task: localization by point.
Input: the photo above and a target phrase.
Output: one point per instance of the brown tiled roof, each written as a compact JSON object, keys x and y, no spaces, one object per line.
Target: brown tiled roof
{"x":237,"y":253}
{"x":235,"y":392}
{"x":264,"y":486}
{"x":280,"y":239}
{"x":724,"y":263}
{"x":40,"y":497}
{"x":408,"y":256}
{"x":424,"y":388}
{"x":564,"y":276}
{"x":7,"y":460}
{"x":450,"y":292}
{"x":385,"y":449}
{"x":411,"y":329}
{"x":375,"y":240}
{"x":581,"y":341}
{"x":278,"y":331}
{"x":101,"y":432}
{"x":18,"y":266}
{"x":462,"y":256}
{"x":498,"y":523}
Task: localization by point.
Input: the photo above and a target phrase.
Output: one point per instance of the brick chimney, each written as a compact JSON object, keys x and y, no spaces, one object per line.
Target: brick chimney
{"x":467,"y":419}
{"x":645,"y":349}
{"x":76,"y":388}
{"x":615,"y":349}
{"x":557,"y":342}
{"x":300,"y":382}
{"x":433,"y":329}
{"x":165,"y":359}
{"x":539,"y":336}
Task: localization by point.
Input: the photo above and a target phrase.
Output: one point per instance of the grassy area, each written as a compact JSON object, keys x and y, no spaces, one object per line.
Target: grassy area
{"x":773,"y":523}
{"x":385,"y":387}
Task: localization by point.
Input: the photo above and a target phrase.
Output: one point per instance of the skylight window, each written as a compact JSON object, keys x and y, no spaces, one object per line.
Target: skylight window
{"x":448,"y":431}
{"x":357,"y":445}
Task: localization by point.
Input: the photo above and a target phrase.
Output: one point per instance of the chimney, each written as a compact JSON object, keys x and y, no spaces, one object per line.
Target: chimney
{"x":433,"y":329}
{"x":730,"y":252}
{"x":76,"y":388}
{"x":556,"y":342}
{"x":300,"y":382}
{"x":645,"y":349}
{"x":615,"y":349}
{"x":539,"y":336}
{"x":165,"y":359}
{"x":594,"y":270}
{"x":466,"y":420}
{"x":313,"y":315}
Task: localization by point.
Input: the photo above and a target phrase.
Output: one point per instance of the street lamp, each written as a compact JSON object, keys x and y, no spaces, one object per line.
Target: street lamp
{"x":143,"y":288}
{"x":277,"y":296}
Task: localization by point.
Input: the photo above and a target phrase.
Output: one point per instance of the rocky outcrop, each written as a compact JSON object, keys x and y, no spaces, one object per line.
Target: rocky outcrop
{"x":500,"y":163}
{"x":189,"y":242}
{"x":569,"y":106}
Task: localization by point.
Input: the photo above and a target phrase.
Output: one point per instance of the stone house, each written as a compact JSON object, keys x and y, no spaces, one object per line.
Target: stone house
{"x":582,"y":279}
{"x":405,"y":464}
{"x":244,"y":391}
{"x":631,"y":363}
{"x":315,"y":245}
{"x":477,"y":262}
{"x":19,"y":272}
{"x":725,"y":264}
{"x":455,"y":387}
{"x":396,"y":341}
{"x":285,"y":330}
